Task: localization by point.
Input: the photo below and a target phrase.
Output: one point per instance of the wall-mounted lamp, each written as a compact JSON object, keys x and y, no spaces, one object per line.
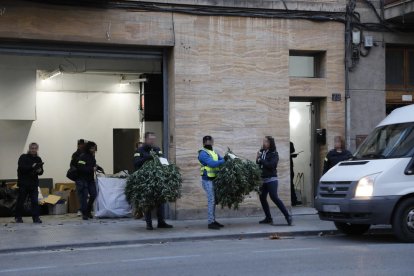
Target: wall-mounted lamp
{"x":52,"y":74}
{"x":131,"y":81}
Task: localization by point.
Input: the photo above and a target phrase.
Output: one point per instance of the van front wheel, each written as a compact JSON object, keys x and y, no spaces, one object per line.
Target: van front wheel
{"x":403,"y":221}
{"x":352,"y":229}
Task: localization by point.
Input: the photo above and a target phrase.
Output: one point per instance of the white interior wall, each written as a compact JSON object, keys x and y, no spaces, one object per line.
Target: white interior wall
{"x":63,"y":118}
{"x":17,"y":94}
{"x":300,"y":135}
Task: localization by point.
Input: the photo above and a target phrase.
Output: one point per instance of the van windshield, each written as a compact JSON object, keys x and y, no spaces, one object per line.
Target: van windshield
{"x":391,"y":141}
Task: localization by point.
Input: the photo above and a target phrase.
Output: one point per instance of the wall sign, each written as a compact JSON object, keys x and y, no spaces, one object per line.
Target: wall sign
{"x":336,"y":97}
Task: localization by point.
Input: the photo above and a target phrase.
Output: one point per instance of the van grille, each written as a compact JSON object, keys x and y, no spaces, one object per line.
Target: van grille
{"x":337,"y":189}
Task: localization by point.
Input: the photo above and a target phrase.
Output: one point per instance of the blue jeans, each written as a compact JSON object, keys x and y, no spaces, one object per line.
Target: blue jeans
{"x":208,"y":186}
{"x":86,"y":189}
{"x":270,"y":188}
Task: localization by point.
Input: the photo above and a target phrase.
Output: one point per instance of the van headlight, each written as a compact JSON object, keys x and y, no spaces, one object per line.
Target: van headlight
{"x":365,"y":186}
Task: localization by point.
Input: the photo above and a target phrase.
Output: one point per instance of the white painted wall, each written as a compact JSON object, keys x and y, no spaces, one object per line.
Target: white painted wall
{"x":17,"y":94}
{"x":62,"y":118}
{"x":300,"y":135}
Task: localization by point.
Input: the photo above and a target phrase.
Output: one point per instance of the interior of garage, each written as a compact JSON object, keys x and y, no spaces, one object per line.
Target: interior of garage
{"x":55,"y":100}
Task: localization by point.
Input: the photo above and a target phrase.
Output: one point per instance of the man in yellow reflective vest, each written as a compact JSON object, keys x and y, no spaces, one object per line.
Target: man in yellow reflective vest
{"x":210,"y":162}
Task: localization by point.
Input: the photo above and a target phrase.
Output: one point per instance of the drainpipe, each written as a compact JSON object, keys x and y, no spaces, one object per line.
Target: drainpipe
{"x":348,"y":32}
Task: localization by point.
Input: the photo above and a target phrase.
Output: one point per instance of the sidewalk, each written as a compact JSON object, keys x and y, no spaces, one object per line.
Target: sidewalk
{"x":69,"y":231}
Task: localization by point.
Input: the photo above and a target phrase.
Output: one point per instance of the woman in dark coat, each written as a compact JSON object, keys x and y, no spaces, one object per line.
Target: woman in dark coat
{"x":267,"y":158}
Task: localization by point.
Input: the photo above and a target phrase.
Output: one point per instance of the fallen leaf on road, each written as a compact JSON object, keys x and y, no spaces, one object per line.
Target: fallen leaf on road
{"x":274,"y":237}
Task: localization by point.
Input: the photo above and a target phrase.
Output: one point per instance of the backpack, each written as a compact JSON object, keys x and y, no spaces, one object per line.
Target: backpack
{"x":72,"y":174}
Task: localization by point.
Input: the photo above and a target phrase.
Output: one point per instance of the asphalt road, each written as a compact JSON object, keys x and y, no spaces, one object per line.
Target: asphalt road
{"x":327,"y":255}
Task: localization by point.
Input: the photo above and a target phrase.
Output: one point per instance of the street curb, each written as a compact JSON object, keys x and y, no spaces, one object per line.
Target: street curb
{"x":167,"y":240}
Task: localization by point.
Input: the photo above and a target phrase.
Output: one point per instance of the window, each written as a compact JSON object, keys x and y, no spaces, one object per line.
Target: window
{"x":391,"y":141}
{"x":399,"y":68}
{"x":307,"y":64}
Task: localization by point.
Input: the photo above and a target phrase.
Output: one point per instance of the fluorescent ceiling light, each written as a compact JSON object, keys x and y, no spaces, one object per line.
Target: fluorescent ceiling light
{"x":52,"y":74}
{"x":123,"y":81}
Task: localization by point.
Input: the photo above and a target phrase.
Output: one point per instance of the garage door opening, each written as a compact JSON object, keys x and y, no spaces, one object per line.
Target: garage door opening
{"x":63,"y":98}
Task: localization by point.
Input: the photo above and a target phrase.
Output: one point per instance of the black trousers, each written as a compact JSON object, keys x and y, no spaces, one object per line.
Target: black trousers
{"x":24,"y":192}
{"x":270,"y":189}
{"x":87,"y":194}
{"x":293,"y":198}
{"x":160,"y":214}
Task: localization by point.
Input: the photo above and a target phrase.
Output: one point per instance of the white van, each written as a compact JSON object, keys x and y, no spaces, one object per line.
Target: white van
{"x":377,"y":185}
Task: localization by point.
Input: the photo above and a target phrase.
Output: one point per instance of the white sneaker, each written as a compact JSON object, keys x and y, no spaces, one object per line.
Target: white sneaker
{"x":79,"y":214}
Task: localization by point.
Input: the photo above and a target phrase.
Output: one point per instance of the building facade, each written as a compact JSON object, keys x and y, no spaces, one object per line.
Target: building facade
{"x":235,"y":71}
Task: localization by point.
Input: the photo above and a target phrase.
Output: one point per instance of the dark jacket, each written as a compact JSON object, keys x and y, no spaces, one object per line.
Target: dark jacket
{"x":28,"y":175}
{"x":333,"y":157}
{"x":75,"y":158}
{"x":86,"y":165}
{"x":143,"y":154}
{"x":268,"y":163}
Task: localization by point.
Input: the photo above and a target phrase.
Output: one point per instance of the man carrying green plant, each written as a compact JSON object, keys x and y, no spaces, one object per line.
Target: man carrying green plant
{"x":142,"y":155}
{"x":210,"y":162}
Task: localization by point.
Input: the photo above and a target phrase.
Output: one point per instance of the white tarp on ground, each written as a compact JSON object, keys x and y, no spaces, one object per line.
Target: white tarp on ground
{"x":111,"y":201}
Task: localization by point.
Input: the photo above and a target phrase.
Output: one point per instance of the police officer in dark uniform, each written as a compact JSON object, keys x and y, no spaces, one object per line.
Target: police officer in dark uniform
{"x":338,"y":154}
{"x":142,"y":155}
{"x":86,"y":183}
{"x":76,"y":155}
{"x":30,"y":166}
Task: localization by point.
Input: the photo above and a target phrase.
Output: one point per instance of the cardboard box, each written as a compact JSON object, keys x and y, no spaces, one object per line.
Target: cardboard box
{"x":45,"y":192}
{"x":65,"y":186}
{"x":63,"y":194}
{"x":58,"y":209}
{"x":73,"y":202}
{"x":11,"y":185}
{"x":51,"y":199}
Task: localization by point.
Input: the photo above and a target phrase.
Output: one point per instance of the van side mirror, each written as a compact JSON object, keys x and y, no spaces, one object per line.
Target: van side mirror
{"x":409,"y":170}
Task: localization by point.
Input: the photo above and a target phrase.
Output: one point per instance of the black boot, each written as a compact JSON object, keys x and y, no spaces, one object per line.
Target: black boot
{"x":213,"y":226}
{"x":266,"y":221}
{"x":149,"y":226}
{"x":289,"y":220}
{"x":18,"y":220}
{"x":218,"y":224}
{"x":37,"y":220}
{"x":163,"y":224}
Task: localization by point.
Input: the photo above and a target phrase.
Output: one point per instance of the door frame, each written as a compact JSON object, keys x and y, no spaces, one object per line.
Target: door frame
{"x":315,"y":148}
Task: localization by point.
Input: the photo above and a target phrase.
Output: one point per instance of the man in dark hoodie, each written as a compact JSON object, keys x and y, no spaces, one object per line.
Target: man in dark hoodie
{"x":30,"y":166}
{"x":86,"y":184}
{"x":142,"y":155}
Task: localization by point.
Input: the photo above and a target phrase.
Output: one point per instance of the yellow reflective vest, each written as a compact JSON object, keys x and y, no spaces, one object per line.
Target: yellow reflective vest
{"x":211,"y":172}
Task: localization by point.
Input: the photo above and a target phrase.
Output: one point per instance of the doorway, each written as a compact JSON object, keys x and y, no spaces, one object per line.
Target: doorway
{"x":125,"y":143}
{"x":304,"y":122}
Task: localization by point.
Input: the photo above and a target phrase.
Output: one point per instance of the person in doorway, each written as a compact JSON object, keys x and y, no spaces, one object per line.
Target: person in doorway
{"x":210,"y":162}
{"x":293,"y":198}
{"x":86,"y":186}
{"x":267,"y":159}
{"x":74,"y":163}
{"x":142,"y":155}
{"x":336,"y":155}
{"x":30,"y":166}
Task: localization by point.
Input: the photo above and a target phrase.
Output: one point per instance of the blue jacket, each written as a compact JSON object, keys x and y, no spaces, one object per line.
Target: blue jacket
{"x":206,"y":160}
